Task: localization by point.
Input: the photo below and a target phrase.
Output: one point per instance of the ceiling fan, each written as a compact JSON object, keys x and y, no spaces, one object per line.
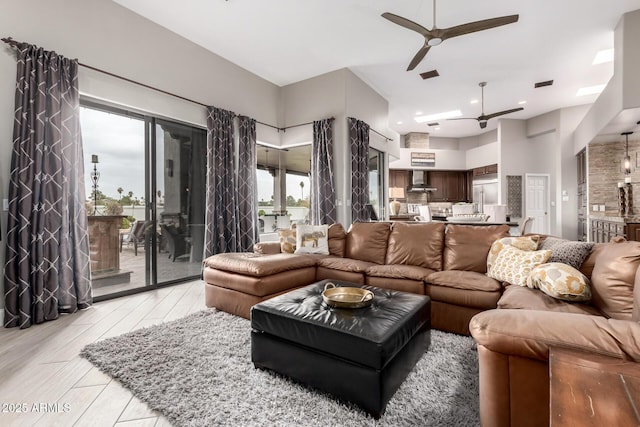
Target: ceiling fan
{"x":483,"y":118}
{"x":435,"y":36}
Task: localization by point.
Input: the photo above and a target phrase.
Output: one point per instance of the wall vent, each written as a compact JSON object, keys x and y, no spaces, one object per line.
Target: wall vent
{"x":429,"y":74}
{"x":543,"y":84}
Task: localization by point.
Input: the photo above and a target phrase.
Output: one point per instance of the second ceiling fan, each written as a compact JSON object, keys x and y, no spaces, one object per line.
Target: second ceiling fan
{"x":435,"y":35}
{"x":483,"y":118}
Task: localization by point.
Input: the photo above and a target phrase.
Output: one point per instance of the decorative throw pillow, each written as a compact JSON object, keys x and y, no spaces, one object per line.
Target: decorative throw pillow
{"x":560,"y":281}
{"x":513,"y":265}
{"x":525,"y":243}
{"x":312,"y":239}
{"x":570,"y":252}
{"x":287,"y":241}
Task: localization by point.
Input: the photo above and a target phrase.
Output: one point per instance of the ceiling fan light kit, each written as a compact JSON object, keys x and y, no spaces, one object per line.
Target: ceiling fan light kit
{"x":435,"y":36}
{"x":484,"y":118}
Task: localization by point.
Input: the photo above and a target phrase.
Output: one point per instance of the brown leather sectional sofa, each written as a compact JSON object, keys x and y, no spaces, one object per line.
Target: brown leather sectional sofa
{"x":448,"y":263}
{"x":413,"y":257}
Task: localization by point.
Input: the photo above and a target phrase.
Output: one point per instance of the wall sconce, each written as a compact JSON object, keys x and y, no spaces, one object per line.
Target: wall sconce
{"x":627,"y":159}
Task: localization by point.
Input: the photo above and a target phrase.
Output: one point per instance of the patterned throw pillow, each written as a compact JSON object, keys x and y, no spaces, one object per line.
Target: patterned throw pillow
{"x":570,"y":252}
{"x":513,"y":265}
{"x":560,"y":281}
{"x":525,"y":243}
{"x":287,"y":241}
{"x":312,"y":239}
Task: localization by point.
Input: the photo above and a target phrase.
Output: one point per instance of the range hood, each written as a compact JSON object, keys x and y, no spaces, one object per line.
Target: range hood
{"x":418,"y":184}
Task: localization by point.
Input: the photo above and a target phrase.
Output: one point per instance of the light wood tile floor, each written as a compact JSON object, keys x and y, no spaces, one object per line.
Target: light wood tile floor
{"x":44,"y":381}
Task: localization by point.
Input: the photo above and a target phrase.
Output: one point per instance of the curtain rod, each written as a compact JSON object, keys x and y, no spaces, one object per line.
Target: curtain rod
{"x":13,"y":43}
{"x":375,"y":131}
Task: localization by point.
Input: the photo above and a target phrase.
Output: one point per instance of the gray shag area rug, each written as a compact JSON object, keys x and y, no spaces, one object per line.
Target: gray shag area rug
{"x":197,"y":371}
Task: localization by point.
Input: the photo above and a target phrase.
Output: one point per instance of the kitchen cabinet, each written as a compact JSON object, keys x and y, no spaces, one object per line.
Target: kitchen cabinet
{"x":398,"y":178}
{"x":451,"y":186}
{"x":633,"y":232}
{"x":485,"y":170}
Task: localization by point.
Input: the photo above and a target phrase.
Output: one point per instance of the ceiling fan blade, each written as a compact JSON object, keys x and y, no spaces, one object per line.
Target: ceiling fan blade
{"x":472,"y":27}
{"x":500,"y":113}
{"x":418,"y":57}
{"x":463,"y":118}
{"x":406,"y":23}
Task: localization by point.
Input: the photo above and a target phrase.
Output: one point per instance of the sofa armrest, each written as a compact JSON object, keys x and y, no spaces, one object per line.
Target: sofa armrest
{"x":267,"y":248}
{"x":529,"y":333}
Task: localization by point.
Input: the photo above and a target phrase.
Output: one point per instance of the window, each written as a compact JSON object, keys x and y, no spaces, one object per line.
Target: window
{"x":147,"y":176}
{"x":284,"y":187}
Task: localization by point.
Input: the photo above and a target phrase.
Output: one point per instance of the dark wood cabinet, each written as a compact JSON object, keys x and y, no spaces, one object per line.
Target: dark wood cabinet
{"x":451,"y":186}
{"x":633,"y":232}
{"x":485,"y":170}
{"x":398,"y":178}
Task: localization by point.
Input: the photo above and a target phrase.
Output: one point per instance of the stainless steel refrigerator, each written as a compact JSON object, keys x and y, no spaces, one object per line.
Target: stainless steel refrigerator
{"x":485,"y":192}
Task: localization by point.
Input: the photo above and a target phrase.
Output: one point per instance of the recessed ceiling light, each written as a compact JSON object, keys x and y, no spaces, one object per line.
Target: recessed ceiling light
{"x":473,"y":101}
{"x":590,"y":90}
{"x":436,"y":128}
{"x":603,"y":56}
{"x":398,"y":123}
{"x":439,"y":116}
{"x":418,"y":113}
{"x":522,"y":102}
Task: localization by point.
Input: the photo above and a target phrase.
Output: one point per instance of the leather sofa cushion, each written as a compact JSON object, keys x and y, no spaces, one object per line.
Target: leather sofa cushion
{"x":267,"y":248}
{"x":337,"y":239}
{"x":416,"y":244}
{"x":463,"y":297}
{"x":524,"y":298}
{"x":345,"y":264}
{"x":468,"y":280}
{"x":399,"y":271}
{"x":613,"y":278}
{"x":253,"y":264}
{"x":367,"y":241}
{"x":466,"y":246}
{"x":587,"y":266}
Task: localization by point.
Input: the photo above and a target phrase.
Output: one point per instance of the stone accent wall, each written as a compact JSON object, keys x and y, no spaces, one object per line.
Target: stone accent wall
{"x":606,"y":169}
{"x":416,"y":140}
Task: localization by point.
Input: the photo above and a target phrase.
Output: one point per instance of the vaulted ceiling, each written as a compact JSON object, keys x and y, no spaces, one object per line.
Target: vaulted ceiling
{"x":285,"y":41}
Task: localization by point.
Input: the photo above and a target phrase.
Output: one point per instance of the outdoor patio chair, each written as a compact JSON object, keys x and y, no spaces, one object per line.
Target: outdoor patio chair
{"x":177,"y":243}
{"x":134,"y":237}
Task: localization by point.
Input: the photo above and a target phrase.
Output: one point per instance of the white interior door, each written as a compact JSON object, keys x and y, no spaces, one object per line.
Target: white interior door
{"x":537,"y":202}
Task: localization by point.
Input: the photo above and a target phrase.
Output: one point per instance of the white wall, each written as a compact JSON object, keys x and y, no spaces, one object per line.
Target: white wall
{"x":339,"y":94}
{"x":105,"y":35}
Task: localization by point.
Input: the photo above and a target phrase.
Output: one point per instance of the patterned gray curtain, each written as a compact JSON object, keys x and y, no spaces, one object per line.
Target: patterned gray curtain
{"x":323,"y":193}
{"x":359,"y":140}
{"x":247,"y":184}
{"x":47,"y":247}
{"x":221,"y":217}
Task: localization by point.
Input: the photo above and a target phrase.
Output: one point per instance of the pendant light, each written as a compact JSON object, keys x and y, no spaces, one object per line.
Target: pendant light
{"x":627,"y":159}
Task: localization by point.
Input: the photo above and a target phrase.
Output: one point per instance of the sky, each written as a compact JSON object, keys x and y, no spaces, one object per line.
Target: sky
{"x":118,"y":141}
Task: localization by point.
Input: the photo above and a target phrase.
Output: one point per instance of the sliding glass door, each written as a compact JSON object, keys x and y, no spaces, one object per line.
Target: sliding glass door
{"x":145,"y":179}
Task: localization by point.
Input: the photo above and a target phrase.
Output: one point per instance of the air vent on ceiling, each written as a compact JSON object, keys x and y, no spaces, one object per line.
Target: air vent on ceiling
{"x":543,"y":84}
{"x":429,"y":74}
{"x":434,"y":124}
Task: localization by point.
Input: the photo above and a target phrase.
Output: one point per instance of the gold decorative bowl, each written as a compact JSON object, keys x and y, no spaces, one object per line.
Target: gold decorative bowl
{"x":346,"y":297}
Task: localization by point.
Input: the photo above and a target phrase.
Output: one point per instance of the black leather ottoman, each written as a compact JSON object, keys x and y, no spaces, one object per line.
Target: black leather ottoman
{"x":360,"y":355}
